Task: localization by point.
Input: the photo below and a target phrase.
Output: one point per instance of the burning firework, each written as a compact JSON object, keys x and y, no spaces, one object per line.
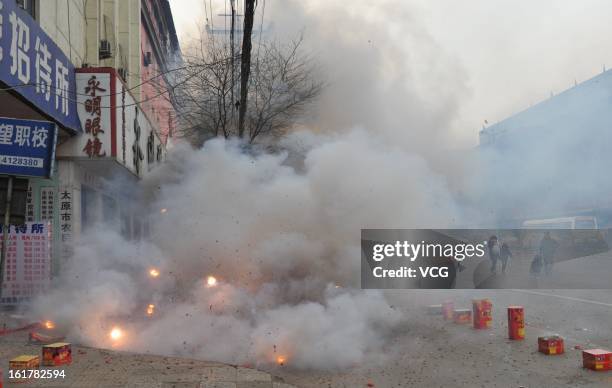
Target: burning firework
{"x":116,"y":334}
{"x":150,"y":309}
{"x":280,"y":360}
{"x":49,"y":325}
{"x":211,"y":281}
{"x":153,"y":272}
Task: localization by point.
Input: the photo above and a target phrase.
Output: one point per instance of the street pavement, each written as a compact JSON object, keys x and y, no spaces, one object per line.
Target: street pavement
{"x":111,"y":369}
{"x":425,"y":351}
{"x":429,"y":352}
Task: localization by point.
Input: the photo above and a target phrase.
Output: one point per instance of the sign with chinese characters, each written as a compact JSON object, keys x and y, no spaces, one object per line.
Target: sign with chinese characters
{"x":29,"y":204}
{"x":140,"y":147}
{"x":115,"y":126}
{"x":65,"y":202}
{"x":27,"y":147}
{"x":47,"y":203}
{"x":27,"y":270}
{"x":95,"y":128}
{"x":37,"y":69}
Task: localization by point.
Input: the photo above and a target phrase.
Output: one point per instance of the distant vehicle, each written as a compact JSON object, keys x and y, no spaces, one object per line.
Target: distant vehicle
{"x":577,"y":230}
{"x":577,"y":222}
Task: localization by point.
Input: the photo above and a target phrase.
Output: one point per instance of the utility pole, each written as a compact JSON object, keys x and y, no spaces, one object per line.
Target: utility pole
{"x":245,"y":63}
{"x":233,"y":52}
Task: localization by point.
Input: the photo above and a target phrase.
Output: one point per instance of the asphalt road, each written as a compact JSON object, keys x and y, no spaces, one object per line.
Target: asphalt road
{"x":430,"y":352}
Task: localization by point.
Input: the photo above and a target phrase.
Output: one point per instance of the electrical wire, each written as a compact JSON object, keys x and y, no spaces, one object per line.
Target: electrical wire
{"x":13,"y":87}
{"x":107,"y":95}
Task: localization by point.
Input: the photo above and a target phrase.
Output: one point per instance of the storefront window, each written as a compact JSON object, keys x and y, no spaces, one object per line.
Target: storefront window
{"x":18,"y":200}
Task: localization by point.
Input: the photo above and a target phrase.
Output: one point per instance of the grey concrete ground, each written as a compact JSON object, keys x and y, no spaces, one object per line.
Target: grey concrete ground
{"x":425,"y":352}
{"x":431,"y":353}
{"x":105,"y":368}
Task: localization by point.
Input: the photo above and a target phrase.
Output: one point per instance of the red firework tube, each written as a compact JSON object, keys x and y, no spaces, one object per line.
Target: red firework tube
{"x":482,"y":312}
{"x":516,"y":322}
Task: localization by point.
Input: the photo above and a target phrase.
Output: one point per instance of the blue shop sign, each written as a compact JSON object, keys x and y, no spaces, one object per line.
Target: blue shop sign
{"x":33,"y":65}
{"x":27,"y":147}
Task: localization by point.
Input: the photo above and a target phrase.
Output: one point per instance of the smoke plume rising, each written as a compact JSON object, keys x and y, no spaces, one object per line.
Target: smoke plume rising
{"x":282,"y":237}
{"x":283,"y":246}
{"x":281,"y":234}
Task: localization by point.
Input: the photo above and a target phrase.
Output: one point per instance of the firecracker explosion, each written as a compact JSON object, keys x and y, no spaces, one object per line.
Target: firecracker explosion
{"x":322,"y":193}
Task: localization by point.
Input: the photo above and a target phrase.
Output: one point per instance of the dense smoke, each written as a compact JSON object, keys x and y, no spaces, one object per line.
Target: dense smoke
{"x":284,"y":247}
{"x":281,"y":234}
{"x":384,"y":70}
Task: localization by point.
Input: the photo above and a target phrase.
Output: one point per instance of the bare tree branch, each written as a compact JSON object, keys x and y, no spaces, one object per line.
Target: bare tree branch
{"x":282,"y":83}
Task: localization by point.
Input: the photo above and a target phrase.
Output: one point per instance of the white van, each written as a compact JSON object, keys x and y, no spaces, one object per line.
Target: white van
{"x":579,"y":229}
{"x":577,"y":222}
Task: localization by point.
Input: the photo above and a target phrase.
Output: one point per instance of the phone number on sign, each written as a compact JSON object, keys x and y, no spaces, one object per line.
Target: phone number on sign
{"x":36,"y":374}
{"x":7,"y":160}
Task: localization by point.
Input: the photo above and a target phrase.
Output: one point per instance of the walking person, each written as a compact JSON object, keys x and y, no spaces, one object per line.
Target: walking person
{"x":505,"y":254}
{"x":548,"y":247}
{"x":535,"y":271}
{"x":494,"y":252}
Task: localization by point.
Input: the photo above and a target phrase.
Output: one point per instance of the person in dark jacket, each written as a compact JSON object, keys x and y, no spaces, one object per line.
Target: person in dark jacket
{"x":504,"y":255}
{"x":548,"y":247}
{"x":535,"y":270}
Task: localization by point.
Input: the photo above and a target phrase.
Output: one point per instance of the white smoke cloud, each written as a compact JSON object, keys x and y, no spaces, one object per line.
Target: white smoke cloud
{"x":280,"y":244}
{"x":282,"y":234}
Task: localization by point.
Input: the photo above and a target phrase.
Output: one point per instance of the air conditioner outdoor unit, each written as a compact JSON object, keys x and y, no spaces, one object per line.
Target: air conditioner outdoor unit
{"x":105,"y":49}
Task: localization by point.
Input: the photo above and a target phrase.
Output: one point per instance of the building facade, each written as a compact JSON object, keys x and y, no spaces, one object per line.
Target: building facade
{"x":550,"y":160}
{"x":98,"y":71}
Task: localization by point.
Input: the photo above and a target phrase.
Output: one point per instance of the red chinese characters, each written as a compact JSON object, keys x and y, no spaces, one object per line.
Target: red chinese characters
{"x":93,"y":127}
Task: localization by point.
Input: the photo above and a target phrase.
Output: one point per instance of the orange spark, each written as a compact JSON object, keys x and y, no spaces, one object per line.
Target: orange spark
{"x":280,"y":360}
{"x":116,"y":334}
{"x":153,"y":272}
{"x":49,"y":324}
{"x":150,"y":309}
{"x":211,"y":281}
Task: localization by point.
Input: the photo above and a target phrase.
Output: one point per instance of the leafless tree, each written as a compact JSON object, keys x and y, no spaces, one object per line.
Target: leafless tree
{"x":283,"y":82}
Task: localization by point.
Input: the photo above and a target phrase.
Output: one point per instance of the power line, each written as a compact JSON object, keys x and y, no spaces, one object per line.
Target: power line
{"x":14,"y":87}
{"x":67,"y":98}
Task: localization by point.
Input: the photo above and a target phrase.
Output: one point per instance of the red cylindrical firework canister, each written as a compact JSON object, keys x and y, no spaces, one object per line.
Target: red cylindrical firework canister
{"x":482,"y":312}
{"x":516,"y":323}
{"x":448,"y":310}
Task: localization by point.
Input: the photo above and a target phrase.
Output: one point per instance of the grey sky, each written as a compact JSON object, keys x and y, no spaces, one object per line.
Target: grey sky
{"x":510,"y":53}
